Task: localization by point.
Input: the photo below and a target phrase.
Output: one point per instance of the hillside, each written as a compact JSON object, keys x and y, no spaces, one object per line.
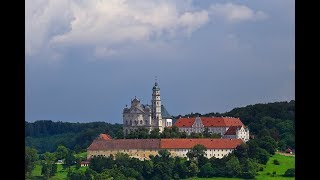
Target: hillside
{"x":275,"y":119}
{"x":46,"y":135}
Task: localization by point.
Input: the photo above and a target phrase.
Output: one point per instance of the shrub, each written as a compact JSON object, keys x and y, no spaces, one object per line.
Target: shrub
{"x":289,"y":172}
{"x":276,"y":162}
{"x":261,"y":168}
{"x":274,"y":173}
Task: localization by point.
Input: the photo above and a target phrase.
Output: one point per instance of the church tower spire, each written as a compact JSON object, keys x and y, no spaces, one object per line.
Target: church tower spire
{"x":156,"y":104}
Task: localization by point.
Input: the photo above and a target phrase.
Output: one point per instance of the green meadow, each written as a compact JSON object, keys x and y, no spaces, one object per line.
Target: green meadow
{"x":286,"y":162}
{"x":61,"y":173}
{"x":215,"y":178}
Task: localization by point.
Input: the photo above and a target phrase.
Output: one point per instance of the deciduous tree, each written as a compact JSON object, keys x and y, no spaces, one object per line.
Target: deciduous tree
{"x":30,"y":158}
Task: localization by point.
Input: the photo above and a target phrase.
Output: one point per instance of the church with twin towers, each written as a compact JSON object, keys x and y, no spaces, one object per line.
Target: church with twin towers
{"x":146,"y":116}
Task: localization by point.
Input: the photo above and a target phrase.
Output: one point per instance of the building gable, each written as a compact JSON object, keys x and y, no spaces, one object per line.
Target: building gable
{"x":197,"y":123}
{"x":136,"y":110}
{"x":232,"y":130}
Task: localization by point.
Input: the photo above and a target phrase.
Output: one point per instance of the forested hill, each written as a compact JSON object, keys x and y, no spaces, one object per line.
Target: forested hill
{"x":46,"y":135}
{"x":276,"y":120}
{"x":254,"y":115}
{"x":271,"y":119}
{"x":43,"y":128}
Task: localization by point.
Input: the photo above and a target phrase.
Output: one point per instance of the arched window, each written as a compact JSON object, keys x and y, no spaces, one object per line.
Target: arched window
{"x":130,"y":122}
{"x":140,"y":121}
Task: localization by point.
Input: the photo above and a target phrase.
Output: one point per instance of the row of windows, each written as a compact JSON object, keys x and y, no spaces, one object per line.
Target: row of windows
{"x":144,"y":155}
{"x":218,"y":155}
{"x":173,"y":150}
{"x":136,"y":122}
{"x":133,"y":116}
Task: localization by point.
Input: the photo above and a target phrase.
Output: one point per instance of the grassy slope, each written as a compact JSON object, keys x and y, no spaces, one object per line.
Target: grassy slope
{"x":286,"y":162}
{"x":83,"y":155}
{"x":61,"y":173}
{"x":36,"y":172}
{"x":215,"y":178}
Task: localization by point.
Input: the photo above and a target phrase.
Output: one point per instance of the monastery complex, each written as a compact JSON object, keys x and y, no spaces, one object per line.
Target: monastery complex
{"x":233,"y":132}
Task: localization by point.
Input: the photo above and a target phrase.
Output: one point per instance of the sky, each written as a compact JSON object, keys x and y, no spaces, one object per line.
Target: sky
{"x":86,"y":60}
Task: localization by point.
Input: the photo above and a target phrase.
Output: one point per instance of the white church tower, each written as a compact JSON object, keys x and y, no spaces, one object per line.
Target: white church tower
{"x":156,"y":107}
{"x":146,"y":116}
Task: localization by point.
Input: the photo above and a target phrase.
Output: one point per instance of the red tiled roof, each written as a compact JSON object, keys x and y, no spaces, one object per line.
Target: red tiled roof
{"x":105,"y":136}
{"x":210,"y":122}
{"x":208,"y":143}
{"x":232,"y":130}
{"x":288,"y":150}
{"x":85,"y":162}
{"x":99,"y":144}
{"x":184,"y":122}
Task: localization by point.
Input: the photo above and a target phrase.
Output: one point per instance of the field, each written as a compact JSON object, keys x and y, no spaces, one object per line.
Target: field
{"x":215,"y":178}
{"x":83,"y":155}
{"x":286,"y":162}
{"x":61,"y":173}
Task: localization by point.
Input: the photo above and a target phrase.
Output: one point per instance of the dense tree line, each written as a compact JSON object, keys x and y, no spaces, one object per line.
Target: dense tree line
{"x":251,"y":113}
{"x":43,"y":128}
{"x":46,"y":135}
{"x":240,"y":163}
{"x":276,"y":120}
{"x":244,"y":162}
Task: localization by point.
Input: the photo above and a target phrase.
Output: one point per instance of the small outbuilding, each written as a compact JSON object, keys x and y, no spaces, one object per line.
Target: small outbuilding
{"x":289,"y":151}
{"x":84,"y":163}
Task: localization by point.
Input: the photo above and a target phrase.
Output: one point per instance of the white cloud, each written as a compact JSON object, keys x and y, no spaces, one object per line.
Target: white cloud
{"x":234,"y":13}
{"x":63,"y":23}
{"x":45,"y":19}
{"x":112,"y":22}
{"x":55,"y":25}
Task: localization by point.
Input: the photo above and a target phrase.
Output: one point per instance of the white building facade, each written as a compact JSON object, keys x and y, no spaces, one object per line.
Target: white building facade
{"x":143,"y":148}
{"x":227,"y":127}
{"x":146,"y":116}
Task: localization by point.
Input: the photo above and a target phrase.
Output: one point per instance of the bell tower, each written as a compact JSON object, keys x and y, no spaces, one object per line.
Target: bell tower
{"x":156,"y":105}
